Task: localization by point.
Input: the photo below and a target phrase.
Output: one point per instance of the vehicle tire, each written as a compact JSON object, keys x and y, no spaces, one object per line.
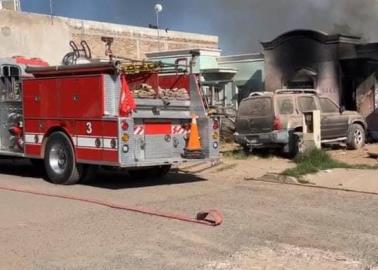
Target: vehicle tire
{"x":153,"y":172}
{"x":356,"y":137}
{"x":60,"y":163}
{"x":88,"y":174}
{"x":247,"y":149}
{"x":296,"y":145}
{"x":163,"y":170}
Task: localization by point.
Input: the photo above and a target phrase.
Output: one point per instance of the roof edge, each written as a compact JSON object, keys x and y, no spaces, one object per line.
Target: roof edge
{"x":312,"y":34}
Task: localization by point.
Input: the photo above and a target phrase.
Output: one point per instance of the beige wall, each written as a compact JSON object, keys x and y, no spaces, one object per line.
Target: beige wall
{"x":32,"y":36}
{"x":35,"y":35}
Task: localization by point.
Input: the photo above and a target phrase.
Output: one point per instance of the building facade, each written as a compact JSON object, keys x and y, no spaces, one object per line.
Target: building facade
{"x":226,"y":80}
{"x":43,"y":36}
{"x":249,"y":77}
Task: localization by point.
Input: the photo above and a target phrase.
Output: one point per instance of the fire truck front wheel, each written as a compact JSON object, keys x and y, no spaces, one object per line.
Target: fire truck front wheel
{"x":60,"y":163}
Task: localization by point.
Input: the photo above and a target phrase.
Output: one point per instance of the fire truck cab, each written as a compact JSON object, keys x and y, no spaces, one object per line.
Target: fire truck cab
{"x":69,"y":119}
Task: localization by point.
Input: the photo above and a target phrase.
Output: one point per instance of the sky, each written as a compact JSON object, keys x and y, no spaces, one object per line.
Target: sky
{"x":240,"y":24}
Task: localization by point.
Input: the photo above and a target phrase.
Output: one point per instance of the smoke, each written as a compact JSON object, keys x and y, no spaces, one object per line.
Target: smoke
{"x":244,"y":23}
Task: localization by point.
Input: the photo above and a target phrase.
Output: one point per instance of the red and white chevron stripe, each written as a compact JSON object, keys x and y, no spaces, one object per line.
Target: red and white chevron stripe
{"x":178,"y":130}
{"x":139,"y":130}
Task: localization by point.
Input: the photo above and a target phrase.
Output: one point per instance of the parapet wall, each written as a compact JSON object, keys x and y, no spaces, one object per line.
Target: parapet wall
{"x":36,"y":35}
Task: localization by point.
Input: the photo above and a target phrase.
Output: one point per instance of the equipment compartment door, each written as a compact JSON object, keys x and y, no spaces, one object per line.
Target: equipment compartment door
{"x":158,"y":140}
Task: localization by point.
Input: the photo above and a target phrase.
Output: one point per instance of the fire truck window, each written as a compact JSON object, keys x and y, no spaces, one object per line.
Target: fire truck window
{"x":306,"y":104}
{"x":10,"y":84}
{"x":14,"y":71}
{"x":2,"y":84}
{"x":5,"y":71}
{"x":285,"y":106}
{"x":328,"y":106}
{"x":10,"y":71}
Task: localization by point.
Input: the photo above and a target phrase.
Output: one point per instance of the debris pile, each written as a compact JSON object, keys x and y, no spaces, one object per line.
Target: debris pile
{"x":175,"y":93}
{"x":144,"y":91}
{"x":147,"y":91}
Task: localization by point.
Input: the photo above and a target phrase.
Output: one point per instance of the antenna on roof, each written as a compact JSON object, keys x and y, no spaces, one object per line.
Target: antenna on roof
{"x":51,"y":11}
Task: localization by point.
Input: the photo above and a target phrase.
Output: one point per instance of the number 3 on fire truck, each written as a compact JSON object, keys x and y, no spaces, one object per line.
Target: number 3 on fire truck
{"x":89,"y":128}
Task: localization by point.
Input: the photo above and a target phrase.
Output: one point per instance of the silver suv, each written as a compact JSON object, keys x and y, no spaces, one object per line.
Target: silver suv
{"x":267,"y":120}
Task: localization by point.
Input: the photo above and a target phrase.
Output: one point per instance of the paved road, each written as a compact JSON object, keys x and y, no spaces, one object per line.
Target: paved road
{"x":266,"y":225}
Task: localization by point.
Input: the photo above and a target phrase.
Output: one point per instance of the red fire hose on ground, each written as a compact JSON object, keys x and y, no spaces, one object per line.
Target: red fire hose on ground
{"x":209,"y":218}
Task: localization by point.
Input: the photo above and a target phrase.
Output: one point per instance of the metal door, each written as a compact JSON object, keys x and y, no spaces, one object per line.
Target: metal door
{"x":333,"y":125}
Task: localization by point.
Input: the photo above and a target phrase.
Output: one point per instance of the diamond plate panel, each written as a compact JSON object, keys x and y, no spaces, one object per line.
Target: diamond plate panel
{"x":112,"y":88}
{"x":135,"y":153}
{"x":207,"y":140}
{"x":158,"y":147}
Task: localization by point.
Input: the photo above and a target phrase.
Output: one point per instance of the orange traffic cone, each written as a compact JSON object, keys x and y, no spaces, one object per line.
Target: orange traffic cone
{"x":194,"y":143}
{"x":193,"y":149}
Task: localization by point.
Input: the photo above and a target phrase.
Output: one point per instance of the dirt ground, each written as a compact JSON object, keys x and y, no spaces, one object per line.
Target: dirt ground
{"x":356,"y":157}
{"x":266,"y":225}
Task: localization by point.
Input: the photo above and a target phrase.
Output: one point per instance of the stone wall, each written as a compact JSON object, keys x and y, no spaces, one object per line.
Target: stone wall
{"x":36,"y":35}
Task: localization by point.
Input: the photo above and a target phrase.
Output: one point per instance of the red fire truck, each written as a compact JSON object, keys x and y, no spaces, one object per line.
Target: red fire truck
{"x":73,"y":119}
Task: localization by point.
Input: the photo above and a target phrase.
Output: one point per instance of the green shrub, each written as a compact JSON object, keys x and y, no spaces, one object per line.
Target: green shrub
{"x":314,"y":161}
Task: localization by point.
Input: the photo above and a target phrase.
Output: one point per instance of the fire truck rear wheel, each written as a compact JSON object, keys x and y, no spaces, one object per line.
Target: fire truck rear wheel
{"x":60,"y":163}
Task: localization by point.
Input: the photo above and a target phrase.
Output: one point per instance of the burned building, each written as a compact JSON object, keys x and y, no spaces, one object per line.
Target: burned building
{"x":341,"y":67}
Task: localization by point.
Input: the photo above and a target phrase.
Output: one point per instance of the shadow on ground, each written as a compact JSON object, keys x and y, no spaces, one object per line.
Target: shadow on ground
{"x":19,"y":167}
{"x":121,"y":180}
{"x":263,"y":153}
{"x":103,"y":179}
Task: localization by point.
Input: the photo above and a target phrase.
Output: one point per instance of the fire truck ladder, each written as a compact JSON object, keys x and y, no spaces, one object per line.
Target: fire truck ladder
{"x":130,"y":66}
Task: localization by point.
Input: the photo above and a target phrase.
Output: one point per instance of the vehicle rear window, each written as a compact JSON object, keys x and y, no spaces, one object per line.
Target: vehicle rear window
{"x":306,"y":104}
{"x":256,"y":107}
{"x":285,"y":105}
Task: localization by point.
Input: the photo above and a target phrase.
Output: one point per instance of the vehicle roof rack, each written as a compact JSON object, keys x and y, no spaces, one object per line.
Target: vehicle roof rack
{"x":296,"y":91}
{"x":259,"y":94}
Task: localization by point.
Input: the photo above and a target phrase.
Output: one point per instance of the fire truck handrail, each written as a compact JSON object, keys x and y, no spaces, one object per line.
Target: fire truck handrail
{"x":93,"y":68}
{"x":160,"y":102}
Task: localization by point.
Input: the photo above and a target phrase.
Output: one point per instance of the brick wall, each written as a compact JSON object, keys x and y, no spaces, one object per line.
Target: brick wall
{"x":36,"y":35}
{"x":134,"y":42}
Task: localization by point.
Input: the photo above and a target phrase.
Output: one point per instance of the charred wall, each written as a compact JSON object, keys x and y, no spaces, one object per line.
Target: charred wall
{"x":297,"y":58}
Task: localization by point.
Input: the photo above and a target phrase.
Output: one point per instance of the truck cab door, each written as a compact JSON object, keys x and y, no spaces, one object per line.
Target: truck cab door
{"x":333,"y":123}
